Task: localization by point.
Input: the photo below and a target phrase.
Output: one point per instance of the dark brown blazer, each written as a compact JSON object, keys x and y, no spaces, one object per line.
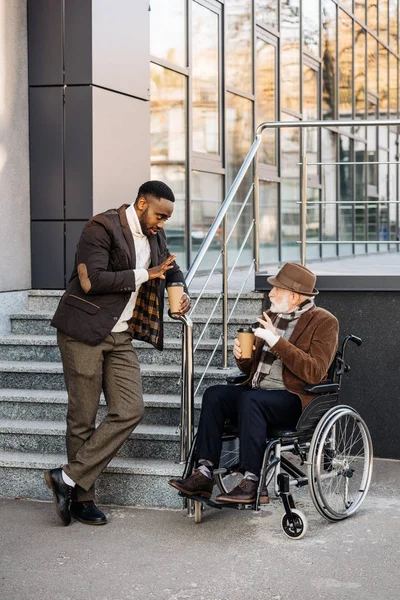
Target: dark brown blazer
{"x":306,"y":356}
{"x":103,"y":279}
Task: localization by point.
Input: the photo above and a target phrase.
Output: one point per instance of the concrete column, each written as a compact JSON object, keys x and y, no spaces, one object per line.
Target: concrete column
{"x":90,"y":119}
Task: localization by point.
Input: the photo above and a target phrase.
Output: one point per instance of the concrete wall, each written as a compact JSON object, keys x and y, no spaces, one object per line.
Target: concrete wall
{"x":15,"y":253}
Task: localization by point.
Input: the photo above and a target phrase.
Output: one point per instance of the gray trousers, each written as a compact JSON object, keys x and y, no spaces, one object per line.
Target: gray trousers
{"x":113,"y":367}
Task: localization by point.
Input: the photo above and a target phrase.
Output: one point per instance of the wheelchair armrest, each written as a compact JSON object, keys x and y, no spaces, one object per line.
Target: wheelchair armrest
{"x":236,"y":379}
{"x":324,"y":387}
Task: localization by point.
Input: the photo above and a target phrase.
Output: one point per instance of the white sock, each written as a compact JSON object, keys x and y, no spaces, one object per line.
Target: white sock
{"x":67,"y":479}
{"x":251,"y":476}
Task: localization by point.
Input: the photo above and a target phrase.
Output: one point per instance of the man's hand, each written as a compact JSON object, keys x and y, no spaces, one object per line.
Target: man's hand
{"x":158,"y":272}
{"x":184,"y":305}
{"x":267,"y":324}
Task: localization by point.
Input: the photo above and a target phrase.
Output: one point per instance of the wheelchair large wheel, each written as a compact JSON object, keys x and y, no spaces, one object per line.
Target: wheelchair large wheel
{"x":340,"y":464}
{"x":225,"y":475}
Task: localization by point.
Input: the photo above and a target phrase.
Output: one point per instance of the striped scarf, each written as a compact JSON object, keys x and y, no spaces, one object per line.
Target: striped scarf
{"x":280,"y":322}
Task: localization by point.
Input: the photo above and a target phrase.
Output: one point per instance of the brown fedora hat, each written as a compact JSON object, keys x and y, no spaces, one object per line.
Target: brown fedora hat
{"x":295,"y":278}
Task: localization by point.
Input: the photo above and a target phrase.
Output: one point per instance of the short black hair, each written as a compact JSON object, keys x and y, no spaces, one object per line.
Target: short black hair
{"x":159,"y":189}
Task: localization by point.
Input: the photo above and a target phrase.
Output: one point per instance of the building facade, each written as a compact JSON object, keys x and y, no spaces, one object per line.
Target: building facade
{"x":120,"y":91}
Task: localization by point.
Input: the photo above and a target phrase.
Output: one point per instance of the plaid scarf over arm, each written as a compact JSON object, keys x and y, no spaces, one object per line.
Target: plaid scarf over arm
{"x":280,"y":322}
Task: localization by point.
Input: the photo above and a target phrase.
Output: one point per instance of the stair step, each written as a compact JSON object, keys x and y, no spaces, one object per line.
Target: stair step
{"x":51,"y":405}
{"x":49,"y":376}
{"x":126,"y":481}
{"x":31,"y":347}
{"x":161,"y":441}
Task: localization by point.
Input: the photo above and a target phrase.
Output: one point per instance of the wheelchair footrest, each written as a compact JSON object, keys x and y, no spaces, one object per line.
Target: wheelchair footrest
{"x":201,"y":499}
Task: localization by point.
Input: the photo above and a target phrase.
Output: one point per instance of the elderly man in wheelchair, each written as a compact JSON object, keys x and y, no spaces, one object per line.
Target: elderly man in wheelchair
{"x":280,"y":402}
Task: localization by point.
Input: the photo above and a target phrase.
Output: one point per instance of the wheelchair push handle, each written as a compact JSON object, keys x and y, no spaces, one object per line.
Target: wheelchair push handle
{"x":355,"y":339}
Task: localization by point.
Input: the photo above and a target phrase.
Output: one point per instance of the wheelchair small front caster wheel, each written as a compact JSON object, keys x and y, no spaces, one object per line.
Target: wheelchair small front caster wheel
{"x":198,"y":507}
{"x":298,"y":528}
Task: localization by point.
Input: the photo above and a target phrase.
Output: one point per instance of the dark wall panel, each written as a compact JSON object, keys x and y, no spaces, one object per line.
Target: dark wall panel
{"x":78,"y":41}
{"x":45,"y":42}
{"x":46,"y":152}
{"x":72,"y":234}
{"x":78,"y":153}
{"x":47,"y":254}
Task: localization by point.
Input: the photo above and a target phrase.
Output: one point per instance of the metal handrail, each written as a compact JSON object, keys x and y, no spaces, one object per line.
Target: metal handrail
{"x":187,"y":379}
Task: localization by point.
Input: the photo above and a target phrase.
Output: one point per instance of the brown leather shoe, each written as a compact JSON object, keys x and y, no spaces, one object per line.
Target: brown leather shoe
{"x":245,"y":492}
{"x":196,"y":484}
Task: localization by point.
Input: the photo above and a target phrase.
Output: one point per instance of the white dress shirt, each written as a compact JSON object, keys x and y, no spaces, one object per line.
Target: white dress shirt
{"x":143,"y":260}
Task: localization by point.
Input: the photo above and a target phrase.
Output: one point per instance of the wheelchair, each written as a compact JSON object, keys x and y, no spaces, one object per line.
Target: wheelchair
{"x":331,"y":441}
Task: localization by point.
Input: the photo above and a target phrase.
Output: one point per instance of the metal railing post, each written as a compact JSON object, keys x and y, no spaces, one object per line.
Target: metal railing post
{"x":303,"y":198}
{"x":256,"y":215}
{"x":224,"y":294}
{"x":187,"y":391}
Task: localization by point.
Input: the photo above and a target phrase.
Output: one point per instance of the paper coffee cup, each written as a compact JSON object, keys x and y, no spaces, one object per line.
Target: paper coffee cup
{"x":246,"y":341}
{"x":175,"y":292}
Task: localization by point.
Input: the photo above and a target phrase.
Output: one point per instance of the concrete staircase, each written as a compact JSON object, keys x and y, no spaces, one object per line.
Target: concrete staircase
{"x":33,"y":404}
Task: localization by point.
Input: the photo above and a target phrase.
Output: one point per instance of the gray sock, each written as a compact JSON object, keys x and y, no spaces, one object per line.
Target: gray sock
{"x":206,"y":467}
{"x":251,"y":476}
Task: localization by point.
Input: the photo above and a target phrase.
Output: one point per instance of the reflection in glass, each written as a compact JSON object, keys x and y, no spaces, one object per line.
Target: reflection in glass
{"x":205,"y":80}
{"x":393,"y":24}
{"x":372,"y":15}
{"x":329,"y":189}
{"x":359,"y":70}
{"x":269,"y":224}
{"x":383,"y":20}
{"x":267,"y":13}
{"x":359,"y":10}
{"x":383,"y":81}
{"x":360,"y":220}
{"x":393,"y":68}
{"x":383,"y":197}
{"x":290,"y":55}
{"x":206,"y":200}
{"x":239,"y":44}
{"x":328,"y":58}
{"x":290,"y":193}
{"x":345,"y":193}
{"x":239,"y":140}
{"x":345,"y":61}
{"x":310,"y":113}
{"x":266,"y":98}
{"x":392,"y":187}
{"x":372,"y":64}
{"x":372,"y":146}
{"x":167,"y":30}
{"x":311,"y":26}
{"x":313,"y":228}
{"x":168,"y":146}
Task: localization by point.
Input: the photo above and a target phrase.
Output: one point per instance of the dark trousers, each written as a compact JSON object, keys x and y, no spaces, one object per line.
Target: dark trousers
{"x":113,"y":367}
{"x":254,"y":411}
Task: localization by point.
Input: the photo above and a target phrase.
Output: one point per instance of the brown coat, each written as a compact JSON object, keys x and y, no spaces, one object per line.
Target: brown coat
{"x":306,"y":356}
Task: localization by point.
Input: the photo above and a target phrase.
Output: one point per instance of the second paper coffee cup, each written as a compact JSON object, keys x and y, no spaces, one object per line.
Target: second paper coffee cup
{"x":246,"y":341}
{"x":175,"y":292}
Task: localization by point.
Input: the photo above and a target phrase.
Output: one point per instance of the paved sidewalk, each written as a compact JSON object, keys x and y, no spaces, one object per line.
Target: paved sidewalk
{"x":162,"y":555}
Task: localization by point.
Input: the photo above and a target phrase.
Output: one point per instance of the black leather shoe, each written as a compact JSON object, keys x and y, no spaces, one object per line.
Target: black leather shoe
{"x":61,"y":494}
{"x":88,"y":513}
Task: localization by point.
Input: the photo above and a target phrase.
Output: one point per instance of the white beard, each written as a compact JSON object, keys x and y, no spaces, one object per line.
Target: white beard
{"x":283,"y":307}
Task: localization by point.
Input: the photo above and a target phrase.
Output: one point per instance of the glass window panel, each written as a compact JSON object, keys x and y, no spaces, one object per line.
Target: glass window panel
{"x":383,"y":82}
{"x":329,"y":191}
{"x":328,"y":58}
{"x":359,"y":211}
{"x":345,"y":193}
{"x":267,"y":13}
{"x":207,"y":196}
{"x":359,"y":10}
{"x":372,"y":14}
{"x":310,"y":113}
{"x":392,"y":187}
{"x":290,"y":55}
{"x":372,"y":64}
{"x":239,"y":44}
{"x":347,"y":4}
{"x":269,"y":224}
{"x":168,"y":146}
{"x":167,"y":30}
{"x":393,"y":24}
{"x":290,"y":193}
{"x":359,"y":71}
{"x":372,"y":145}
{"x":383,"y":197}
{"x":205,"y":52}
{"x":313,"y":228}
{"x":266,"y":98}
{"x":393,"y":91}
{"x":239,"y":139}
{"x":383,"y":20}
{"x":345,"y":62}
{"x":311,"y":26}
